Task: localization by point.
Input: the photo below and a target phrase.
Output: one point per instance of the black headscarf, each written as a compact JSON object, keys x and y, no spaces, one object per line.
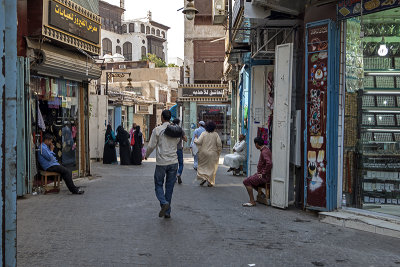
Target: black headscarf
{"x":109,"y":130}
{"x":137,"y":130}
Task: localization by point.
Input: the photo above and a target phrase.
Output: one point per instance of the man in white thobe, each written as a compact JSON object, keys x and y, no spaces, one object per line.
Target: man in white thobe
{"x":235,"y":160}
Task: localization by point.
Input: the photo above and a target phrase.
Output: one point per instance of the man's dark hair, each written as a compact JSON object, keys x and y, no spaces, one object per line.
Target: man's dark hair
{"x":210,"y":126}
{"x":166,"y":114}
{"x":258,"y":140}
{"x":47,"y":136}
{"x":176,"y":121}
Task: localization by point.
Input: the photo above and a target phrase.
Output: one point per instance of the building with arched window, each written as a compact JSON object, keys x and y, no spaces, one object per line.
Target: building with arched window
{"x":132,"y":38}
{"x":106,"y":44}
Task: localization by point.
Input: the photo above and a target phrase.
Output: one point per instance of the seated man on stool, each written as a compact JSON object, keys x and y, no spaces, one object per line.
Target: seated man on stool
{"x":49,"y":163}
{"x":234,"y":161}
{"x":263,"y":175}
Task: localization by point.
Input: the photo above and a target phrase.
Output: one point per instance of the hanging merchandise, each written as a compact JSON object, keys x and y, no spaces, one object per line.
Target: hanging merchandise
{"x":270,"y":85}
{"x":54,"y":87}
{"x":40,"y":120}
{"x":48,"y":89}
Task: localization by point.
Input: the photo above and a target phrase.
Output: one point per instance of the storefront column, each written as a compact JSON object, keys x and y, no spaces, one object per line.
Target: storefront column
{"x":186,"y":121}
{"x":193,"y":117}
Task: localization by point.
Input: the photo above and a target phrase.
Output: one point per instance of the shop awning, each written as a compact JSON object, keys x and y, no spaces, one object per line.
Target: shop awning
{"x":57,"y":62}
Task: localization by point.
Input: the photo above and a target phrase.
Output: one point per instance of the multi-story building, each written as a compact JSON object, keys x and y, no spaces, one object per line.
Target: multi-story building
{"x":203,"y":96}
{"x":131,"y":38}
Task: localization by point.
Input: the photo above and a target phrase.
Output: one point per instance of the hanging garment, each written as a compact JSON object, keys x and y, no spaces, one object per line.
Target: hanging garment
{"x":40,"y":120}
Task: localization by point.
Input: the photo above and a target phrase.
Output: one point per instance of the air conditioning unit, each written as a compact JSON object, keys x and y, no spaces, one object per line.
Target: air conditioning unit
{"x":218,"y":11}
{"x":122,"y":66}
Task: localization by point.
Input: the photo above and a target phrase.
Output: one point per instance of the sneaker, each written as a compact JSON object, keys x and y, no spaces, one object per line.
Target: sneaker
{"x":179,"y":179}
{"x":164,"y":209}
{"x":167,"y":216}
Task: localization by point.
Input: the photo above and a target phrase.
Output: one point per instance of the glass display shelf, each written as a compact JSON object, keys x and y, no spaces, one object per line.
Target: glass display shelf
{"x":382,"y":72}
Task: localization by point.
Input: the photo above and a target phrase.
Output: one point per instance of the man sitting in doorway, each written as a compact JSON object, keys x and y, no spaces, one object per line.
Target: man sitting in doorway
{"x":234,"y":161}
{"x":48,"y":162}
{"x":263,"y":175}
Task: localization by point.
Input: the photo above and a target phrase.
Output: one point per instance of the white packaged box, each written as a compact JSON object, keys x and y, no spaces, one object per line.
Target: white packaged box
{"x":389,"y":201}
{"x":382,"y":200}
{"x":394,"y":201}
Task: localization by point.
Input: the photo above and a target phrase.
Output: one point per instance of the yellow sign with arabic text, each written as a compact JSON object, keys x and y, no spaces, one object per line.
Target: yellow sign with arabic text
{"x":74,"y":23}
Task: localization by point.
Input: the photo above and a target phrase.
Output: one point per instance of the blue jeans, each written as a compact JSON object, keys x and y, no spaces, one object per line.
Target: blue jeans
{"x":180,"y":161}
{"x":168,"y":171}
{"x":196,"y":161}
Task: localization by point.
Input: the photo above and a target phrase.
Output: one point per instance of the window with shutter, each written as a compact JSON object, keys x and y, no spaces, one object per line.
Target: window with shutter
{"x":127,"y":51}
{"x":107,"y":46}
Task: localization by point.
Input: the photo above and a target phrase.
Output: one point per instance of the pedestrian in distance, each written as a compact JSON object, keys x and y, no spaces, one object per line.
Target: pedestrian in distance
{"x":166,"y":163}
{"x":137,"y":145}
{"x":109,"y":154}
{"x":210,"y":147}
{"x":131,"y":131}
{"x":48,"y":162}
{"x":193,"y":146}
{"x":124,"y":146}
{"x":179,"y":152}
{"x":263,"y":175}
{"x":235,"y":161}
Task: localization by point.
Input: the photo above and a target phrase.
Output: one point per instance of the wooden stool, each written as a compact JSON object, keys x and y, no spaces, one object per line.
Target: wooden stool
{"x":57,"y":179}
{"x":260,"y":199}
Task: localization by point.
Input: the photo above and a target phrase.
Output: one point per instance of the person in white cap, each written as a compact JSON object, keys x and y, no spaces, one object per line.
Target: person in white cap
{"x":196,"y":134}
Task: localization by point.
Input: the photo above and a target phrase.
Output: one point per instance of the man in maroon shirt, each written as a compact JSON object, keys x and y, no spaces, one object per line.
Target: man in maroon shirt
{"x":263,"y":175}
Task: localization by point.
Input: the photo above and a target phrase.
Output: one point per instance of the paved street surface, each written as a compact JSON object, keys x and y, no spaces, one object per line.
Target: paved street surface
{"x":116,"y":223}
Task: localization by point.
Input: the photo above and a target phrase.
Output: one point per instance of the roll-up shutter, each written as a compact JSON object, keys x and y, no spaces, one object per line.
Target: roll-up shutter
{"x":53,"y":61}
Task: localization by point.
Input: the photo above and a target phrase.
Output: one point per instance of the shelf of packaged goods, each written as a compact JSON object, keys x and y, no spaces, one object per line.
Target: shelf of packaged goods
{"x":380,"y":169}
{"x":380,"y":155}
{"x":385,"y":110}
{"x":381,"y":91}
{"x":381,"y":192}
{"x":381,"y":179}
{"x":378,"y":39}
{"x":380,"y":72}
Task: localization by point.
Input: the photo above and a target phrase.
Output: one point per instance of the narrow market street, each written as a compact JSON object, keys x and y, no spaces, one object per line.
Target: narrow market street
{"x":116,"y":223}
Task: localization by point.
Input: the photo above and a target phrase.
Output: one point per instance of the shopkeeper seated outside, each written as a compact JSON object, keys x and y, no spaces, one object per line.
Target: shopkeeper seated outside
{"x":48,"y":162}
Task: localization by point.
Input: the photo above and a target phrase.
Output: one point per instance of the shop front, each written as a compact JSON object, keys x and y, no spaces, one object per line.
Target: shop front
{"x":205,"y":102}
{"x":370,"y":114}
{"x":60,"y":68}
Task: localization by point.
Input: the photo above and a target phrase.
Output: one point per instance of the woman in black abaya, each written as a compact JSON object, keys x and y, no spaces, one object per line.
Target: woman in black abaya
{"x":124,"y":146}
{"x":109,"y":154}
{"x":137,"y":147}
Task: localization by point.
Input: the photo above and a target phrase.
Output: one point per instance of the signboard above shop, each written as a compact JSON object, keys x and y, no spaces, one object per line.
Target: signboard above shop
{"x":352,"y":8}
{"x":72,"y":22}
{"x":202,"y":92}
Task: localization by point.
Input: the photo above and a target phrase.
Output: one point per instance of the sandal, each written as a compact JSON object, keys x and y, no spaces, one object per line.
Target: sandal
{"x":210,"y":185}
{"x":248,"y":204}
{"x":203,"y":182}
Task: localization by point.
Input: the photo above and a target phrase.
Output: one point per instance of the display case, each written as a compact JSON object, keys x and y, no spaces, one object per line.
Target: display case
{"x":379,"y":128}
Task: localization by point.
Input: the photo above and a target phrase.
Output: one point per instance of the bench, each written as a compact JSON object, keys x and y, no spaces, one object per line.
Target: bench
{"x":57,"y":178}
{"x":264,"y":198}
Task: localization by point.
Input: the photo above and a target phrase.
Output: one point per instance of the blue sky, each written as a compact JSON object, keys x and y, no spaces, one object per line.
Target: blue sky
{"x":164,"y":12}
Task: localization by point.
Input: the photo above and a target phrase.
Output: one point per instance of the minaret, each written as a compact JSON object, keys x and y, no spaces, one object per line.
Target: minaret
{"x":122,"y":5}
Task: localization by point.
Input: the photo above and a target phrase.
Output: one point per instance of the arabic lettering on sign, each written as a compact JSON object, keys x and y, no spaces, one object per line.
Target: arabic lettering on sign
{"x":202,"y":92}
{"x":70,"y":21}
{"x":69,"y":15}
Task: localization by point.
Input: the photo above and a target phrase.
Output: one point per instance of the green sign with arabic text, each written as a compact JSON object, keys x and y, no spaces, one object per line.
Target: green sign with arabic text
{"x":74,"y":23}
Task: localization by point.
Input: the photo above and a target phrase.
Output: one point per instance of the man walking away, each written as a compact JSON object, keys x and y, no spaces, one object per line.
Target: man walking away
{"x":166,"y":163}
{"x":179,"y":152}
{"x":196,"y":134}
{"x":48,"y":162}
